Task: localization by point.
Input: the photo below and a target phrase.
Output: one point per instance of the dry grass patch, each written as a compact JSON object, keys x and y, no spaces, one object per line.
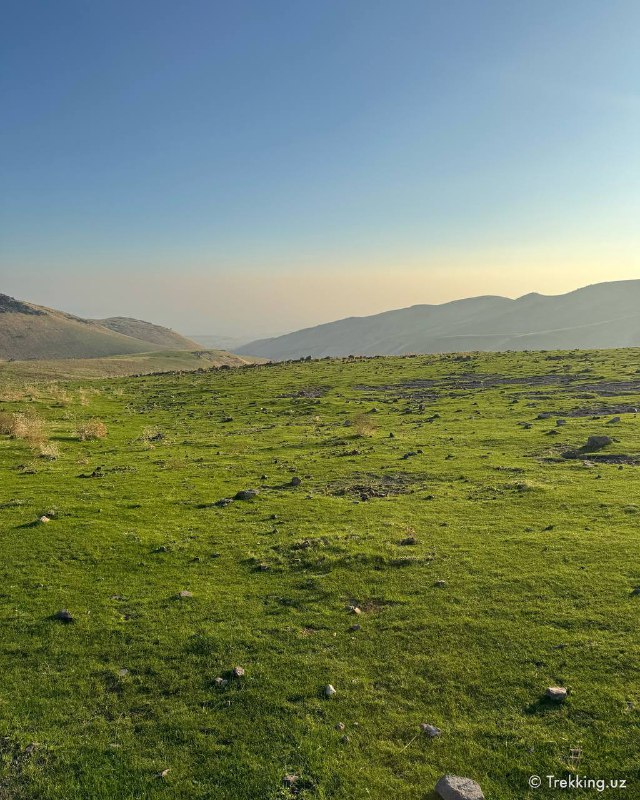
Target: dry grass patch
{"x":30,"y":428}
{"x":91,"y":429}
{"x":49,"y":451}
{"x":363,"y":425}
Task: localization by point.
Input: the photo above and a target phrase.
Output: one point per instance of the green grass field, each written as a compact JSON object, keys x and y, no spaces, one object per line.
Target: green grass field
{"x":539,"y":556}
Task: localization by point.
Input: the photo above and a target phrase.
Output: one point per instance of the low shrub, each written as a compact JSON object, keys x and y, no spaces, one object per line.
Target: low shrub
{"x":91,"y":429}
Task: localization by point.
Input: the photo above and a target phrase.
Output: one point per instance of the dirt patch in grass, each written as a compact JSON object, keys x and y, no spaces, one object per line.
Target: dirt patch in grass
{"x":367,"y":485}
{"x":599,"y":411}
{"x":310,"y":392}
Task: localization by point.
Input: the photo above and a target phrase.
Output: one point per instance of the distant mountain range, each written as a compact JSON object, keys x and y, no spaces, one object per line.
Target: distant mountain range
{"x":599,"y":316}
{"x":28,"y":331}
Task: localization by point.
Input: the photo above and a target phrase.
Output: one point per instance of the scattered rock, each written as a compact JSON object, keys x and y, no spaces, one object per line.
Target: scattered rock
{"x":64,"y":616}
{"x":329,"y":691}
{"x":44,"y":519}
{"x":598,"y":442}
{"x":613,"y":421}
{"x":410,"y":540}
{"x":355,"y":609}
{"x":440,"y":584}
{"x":430,"y":730}
{"x":560,"y":422}
{"x":359,"y":627}
{"x":238,"y":672}
{"x":164,"y":773}
{"x":557,"y":693}
{"x":453,"y":787}
{"x":185,"y":593}
{"x":289,"y":781}
{"x":123,"y":672}
{"x":246,"y":494}
{"x":225,"y":501}
{"x":340,"y":726}
{"x":295,"y":481}
{"x":221,"y":682}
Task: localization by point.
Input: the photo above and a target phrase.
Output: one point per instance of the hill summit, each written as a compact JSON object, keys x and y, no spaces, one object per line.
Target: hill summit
{"x":28,"y":331}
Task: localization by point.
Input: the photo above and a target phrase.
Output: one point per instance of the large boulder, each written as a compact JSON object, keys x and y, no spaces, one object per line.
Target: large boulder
{"x":453,"y":787}
{"x":598,"y":442}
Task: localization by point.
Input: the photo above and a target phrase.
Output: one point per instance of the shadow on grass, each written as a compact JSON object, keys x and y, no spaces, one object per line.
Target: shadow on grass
{"x":543,"y":705}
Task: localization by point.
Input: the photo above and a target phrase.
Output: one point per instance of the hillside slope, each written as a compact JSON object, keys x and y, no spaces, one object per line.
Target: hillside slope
{"x":604,"y":315}
{"x":163,"y":338}
{"x":28,"y":331}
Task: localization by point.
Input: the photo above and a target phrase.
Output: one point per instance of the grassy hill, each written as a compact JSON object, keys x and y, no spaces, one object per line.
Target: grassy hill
{"x":604,"y":315}
{"x":28,"y":331}
{"x":446,"y":552}
{"x":117,"y":366}
{"x":163,"y":338}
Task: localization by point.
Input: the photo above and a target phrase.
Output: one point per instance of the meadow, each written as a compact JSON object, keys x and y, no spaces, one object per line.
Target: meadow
{"x":426,"y":534}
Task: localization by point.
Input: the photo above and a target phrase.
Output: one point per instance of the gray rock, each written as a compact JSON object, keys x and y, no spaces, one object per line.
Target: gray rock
{"x":64,"y":616}
{"x":453,"y":787}
{"x":557,"y":693}
{"x":430,"y":730}
{"x":238,"y":672}
{"x":598,"y":442}
{"x":246,"y":494}
{"x":329,"y":691}
{"x":185,"y":593}
{"x":225,"y":501}
{"x":613,"y":421}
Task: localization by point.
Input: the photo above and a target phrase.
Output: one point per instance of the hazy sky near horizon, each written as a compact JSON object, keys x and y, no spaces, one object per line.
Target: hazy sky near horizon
{"x":255,"y":167}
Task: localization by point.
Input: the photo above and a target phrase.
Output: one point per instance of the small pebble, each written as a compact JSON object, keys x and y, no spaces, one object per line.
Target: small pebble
{"x":329,"y":691}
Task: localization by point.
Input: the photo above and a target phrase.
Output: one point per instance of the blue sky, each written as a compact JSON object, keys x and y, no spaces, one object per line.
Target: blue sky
{"x":257,"y":166}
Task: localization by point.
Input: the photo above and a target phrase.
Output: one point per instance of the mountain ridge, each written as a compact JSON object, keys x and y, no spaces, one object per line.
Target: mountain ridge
{"x":598,"y":316}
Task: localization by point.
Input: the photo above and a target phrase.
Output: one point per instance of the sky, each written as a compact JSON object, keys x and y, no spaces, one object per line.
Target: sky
{"x":250,"y":168}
